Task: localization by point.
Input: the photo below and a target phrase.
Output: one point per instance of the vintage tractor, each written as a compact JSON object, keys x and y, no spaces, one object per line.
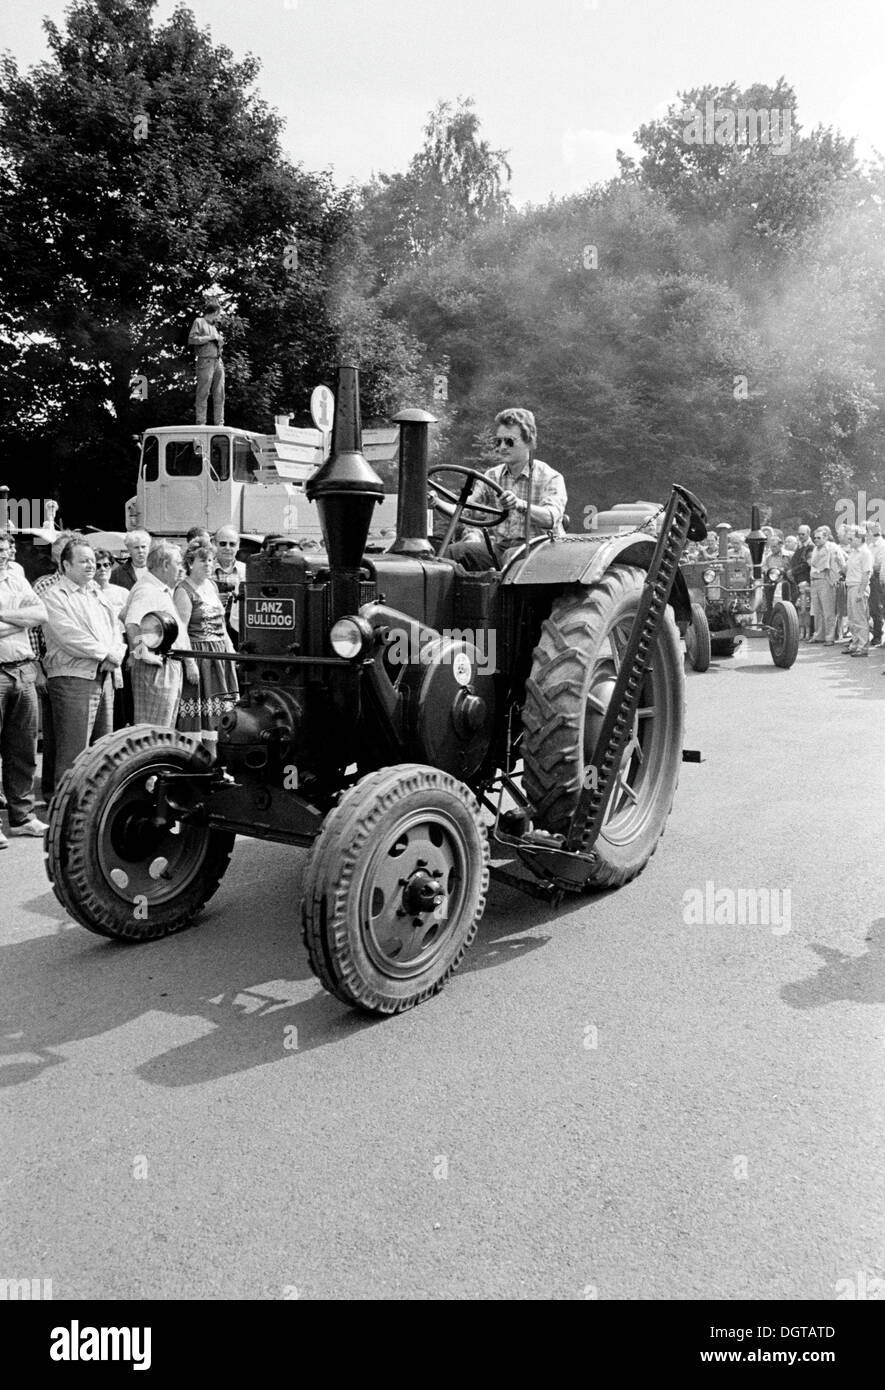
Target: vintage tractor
{"x":731,"y":598}
{"x":397,"y":714}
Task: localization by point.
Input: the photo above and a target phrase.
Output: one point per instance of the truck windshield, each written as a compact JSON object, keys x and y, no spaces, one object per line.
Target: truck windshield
{"x":182,"y":459}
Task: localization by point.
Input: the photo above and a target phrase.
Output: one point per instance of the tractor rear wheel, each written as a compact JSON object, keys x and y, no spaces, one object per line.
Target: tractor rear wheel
{"x":573,"y":675}
{"x":394,"y":888}
{"x":697,"y":639}
{"x":783,"y":642}
{"x":111,"y":867}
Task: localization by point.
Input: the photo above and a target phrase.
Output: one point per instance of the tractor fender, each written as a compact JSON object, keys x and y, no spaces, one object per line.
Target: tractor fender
{"x":585,"y":559}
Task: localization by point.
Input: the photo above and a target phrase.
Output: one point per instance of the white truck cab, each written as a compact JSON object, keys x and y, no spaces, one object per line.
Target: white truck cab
{"x":215,"y":475}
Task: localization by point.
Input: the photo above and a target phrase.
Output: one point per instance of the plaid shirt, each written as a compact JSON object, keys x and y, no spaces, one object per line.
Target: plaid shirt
{"x":548,"y":490}
{"x":38,"y":641}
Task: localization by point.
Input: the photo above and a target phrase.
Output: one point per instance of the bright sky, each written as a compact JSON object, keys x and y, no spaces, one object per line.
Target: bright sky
{"x":559,"y":83}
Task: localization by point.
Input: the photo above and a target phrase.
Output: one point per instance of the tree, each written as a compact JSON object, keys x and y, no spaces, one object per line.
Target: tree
{"x":137,"y":168}
{"x":453,"y":184}
{"x":724,"y":153}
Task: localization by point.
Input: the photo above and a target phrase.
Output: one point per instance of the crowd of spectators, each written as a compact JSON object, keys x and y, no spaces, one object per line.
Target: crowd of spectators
{"x":836,"y":582}
{"x":73,"y":658}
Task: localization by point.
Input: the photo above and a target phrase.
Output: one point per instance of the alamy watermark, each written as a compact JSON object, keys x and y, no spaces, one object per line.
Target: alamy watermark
{"x":28,"y":513}
{"x":864,"y":1286}
{"x":76,"y":1343}
{"x":461,"y":648}
{"x":738,"y":907}
{"x":860,"y":510}
{"x":27,"y":1289}
{"x":739,"y":126}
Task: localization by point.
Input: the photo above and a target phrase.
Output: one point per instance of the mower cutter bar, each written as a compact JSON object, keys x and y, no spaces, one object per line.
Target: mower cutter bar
{"x":684,"y":514}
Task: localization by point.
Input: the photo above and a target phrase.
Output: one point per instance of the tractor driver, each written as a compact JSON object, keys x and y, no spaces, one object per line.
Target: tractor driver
{"x":515,"y":439}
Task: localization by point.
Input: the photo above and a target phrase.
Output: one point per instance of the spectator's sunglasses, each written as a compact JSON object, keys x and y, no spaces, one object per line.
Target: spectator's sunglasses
{"x":102,"y":564}
{"x":507,"y":441}
{"x":226,"y":543}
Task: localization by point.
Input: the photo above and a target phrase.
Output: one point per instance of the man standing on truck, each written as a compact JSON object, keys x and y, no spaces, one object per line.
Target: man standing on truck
{"x":208,"y":342}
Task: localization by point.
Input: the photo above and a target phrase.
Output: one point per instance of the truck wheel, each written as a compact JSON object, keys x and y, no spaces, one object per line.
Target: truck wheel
{"x":394,"y":888}
{"x":783,"y":642}
{"x":697,"y":639}
{"x":115,"y":872}
{"x":573,"y":675}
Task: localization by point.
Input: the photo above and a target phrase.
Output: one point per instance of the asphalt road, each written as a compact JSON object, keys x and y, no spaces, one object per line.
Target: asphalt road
{"x":609,"y":1100}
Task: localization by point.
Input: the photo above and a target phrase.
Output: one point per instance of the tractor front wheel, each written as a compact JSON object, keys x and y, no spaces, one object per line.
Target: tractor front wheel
{"x":697,"y":639}
{"x":114,"y":866}
{"x":783,"y":642}
{"x":394,"y":888}
{"x":573,"y":675}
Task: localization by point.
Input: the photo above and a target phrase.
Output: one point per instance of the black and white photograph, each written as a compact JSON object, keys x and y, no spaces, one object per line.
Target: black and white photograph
{"x":435,"y":863}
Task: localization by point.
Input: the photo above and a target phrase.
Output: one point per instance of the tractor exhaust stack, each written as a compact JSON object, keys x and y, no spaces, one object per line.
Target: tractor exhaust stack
{"x":346,"y":490}
{"x":411,"y":507}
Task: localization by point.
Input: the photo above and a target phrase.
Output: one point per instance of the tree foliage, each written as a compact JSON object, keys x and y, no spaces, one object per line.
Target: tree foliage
{"x":714,"y":315}
{"x":138,"y":167}
{"x":455,"y":183}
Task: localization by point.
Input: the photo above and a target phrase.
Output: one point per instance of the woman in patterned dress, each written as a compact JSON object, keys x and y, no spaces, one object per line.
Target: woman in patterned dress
{"x":210,"y":687}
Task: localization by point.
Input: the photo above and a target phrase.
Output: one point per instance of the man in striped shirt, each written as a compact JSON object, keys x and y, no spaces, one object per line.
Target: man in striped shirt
{"x":515,"y":438}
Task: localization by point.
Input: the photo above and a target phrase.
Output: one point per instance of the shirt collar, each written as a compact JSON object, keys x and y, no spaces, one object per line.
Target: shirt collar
{"x":71,"y":588}
{"x":523,"y":472}
{"x":147,"y":576}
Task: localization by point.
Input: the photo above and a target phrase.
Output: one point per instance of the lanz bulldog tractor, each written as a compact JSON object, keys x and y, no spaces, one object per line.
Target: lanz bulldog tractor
{"x":397,"y":714}
{"x":731,"y":598}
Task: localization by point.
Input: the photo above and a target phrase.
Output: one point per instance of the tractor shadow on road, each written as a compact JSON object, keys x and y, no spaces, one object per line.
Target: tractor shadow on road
{"x":859,"y":979}
{"x":242,"y":969}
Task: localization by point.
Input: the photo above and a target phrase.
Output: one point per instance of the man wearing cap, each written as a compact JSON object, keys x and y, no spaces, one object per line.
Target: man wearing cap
{"x":156,"y":680}
{"x":208,"y":342}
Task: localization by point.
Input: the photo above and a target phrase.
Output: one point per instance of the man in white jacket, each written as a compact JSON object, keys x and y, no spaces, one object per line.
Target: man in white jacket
{"x":84,"y":644}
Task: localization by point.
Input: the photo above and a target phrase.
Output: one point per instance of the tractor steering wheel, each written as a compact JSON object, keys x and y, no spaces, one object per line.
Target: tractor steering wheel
{"x":494,"y":515}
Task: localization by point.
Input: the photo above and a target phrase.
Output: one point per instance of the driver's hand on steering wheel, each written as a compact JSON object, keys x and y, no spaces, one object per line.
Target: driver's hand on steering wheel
{"x":508,"y":500}
{"x":432,"y":499}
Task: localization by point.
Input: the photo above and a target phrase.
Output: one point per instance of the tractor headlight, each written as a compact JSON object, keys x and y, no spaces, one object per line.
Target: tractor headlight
{"x":158,"y":631}
{"x":774,"y":574}
{"x":709,"y":576}
{"x":352,"y":638}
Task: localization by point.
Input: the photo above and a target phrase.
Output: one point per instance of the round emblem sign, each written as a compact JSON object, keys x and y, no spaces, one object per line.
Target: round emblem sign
{"x":322,"y":408}
{"x":462,"y":669}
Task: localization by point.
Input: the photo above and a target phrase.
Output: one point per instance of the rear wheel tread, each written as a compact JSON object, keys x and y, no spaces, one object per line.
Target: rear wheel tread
{"x":551,"y":771}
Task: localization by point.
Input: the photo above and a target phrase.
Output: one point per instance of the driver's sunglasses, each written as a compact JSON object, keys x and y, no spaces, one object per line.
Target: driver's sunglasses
{"x":507,"y":441}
